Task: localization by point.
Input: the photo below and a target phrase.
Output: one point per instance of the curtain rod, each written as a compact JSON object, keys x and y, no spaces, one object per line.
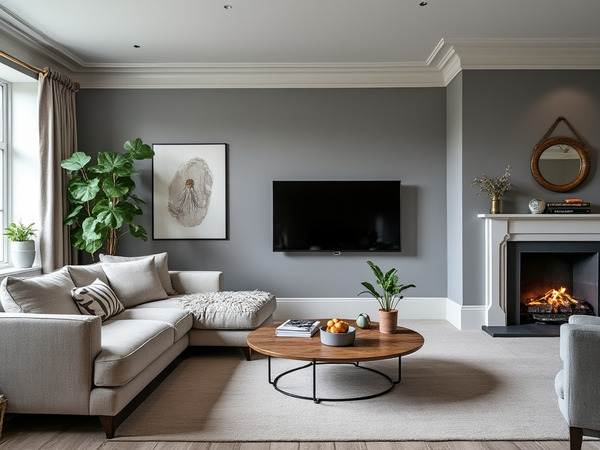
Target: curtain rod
{"x":42,"y":72}
{"x":23,"y":64}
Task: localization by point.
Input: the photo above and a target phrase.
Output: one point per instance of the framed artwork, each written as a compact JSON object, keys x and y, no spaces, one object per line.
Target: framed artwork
{"x":189,"y":191}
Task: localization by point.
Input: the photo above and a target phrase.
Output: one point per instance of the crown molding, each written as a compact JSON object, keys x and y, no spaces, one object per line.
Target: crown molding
{"x":262,"y":76}
{"x":515,"y":54}
{"x":446,"y":60}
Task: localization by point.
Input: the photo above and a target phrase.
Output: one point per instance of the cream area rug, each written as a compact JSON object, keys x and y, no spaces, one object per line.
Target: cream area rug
{"x":462,"y":385}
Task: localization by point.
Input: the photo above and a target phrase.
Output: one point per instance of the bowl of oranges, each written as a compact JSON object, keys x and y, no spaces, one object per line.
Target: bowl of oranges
{"x":337,"y":333}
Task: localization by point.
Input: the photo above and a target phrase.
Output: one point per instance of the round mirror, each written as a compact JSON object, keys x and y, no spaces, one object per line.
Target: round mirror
{"x":560,"y":164}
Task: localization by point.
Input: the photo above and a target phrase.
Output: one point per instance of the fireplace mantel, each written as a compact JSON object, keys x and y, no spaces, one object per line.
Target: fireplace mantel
{"x":501,"y":228}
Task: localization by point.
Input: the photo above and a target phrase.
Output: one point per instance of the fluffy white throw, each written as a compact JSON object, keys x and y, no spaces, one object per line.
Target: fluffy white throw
{"x":209,"y":303}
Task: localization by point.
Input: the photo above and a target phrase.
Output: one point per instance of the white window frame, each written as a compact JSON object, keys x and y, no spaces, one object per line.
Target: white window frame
{"x":4,"y":175}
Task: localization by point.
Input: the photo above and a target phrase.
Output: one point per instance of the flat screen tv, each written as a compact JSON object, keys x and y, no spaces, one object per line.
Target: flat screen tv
{"x":336,"y":216}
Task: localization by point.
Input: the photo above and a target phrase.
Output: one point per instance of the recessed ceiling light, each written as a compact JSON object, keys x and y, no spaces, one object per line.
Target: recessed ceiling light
{"x":228,"y":7}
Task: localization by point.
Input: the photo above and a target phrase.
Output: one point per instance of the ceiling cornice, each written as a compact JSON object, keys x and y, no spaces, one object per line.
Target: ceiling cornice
{"x":574,"y":54}
{"x":447,"y":59}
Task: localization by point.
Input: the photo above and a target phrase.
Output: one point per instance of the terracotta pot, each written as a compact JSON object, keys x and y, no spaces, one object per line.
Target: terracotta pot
{"x":388,"y":321}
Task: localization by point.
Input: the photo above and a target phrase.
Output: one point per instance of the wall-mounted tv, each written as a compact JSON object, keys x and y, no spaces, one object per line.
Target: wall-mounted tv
{"x":336,"y":216}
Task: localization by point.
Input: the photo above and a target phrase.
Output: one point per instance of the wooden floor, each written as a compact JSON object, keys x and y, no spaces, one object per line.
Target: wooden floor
{"x":32,"y":432}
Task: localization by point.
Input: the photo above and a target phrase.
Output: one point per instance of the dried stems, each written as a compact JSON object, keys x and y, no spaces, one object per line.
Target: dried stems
{"x":494,"y":187}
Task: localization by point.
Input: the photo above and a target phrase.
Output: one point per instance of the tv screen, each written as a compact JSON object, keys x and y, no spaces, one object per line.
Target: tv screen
{"x":336,"y":216}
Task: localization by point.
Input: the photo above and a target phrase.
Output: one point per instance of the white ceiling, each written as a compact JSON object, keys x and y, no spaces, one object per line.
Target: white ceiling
{"x":391,"y":37}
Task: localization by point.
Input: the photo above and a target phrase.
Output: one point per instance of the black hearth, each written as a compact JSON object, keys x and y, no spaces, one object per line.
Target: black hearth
{"x":535,"y":268}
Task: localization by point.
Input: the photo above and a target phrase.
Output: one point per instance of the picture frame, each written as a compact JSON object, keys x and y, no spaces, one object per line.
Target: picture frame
{"x":189,"y":191}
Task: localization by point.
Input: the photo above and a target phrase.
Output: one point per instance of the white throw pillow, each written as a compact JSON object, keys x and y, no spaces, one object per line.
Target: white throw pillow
{"x":134,"y":282}
{"x":161,"y":260}
{"x":97,"y":299}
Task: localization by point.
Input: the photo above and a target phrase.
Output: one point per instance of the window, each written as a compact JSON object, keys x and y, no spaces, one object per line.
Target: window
{"x":4,"y":96}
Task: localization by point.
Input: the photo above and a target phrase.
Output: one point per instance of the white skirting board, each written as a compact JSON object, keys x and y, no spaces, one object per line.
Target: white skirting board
{"x":462,"y":317}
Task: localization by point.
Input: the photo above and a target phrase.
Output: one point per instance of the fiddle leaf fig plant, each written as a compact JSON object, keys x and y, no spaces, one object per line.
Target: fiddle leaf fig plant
{"x":102,"y":199}
{"x":391,"y":289}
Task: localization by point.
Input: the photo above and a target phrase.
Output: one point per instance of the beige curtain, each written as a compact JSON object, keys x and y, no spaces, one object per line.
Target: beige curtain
{"x":58,"y":141}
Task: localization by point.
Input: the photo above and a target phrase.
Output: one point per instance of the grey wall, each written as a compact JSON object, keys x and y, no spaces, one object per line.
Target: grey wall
{"x":291,"y":134}
{"x":454,"y":130}
{"x":435,"y":140}
{"x":505,"y":114}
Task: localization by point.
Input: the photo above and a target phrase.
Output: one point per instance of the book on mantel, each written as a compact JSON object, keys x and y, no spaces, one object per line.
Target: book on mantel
{"x":297,"y":328}
{"x":568,"y":206}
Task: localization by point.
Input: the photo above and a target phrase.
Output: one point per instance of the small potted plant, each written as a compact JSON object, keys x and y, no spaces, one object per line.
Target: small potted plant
{"x":494,"y":187}
{"x":22,"y":247}
{"x":388,"y":299}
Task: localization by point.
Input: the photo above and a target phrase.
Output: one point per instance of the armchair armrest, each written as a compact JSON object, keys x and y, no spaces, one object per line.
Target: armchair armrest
{"x":192,"y":281}
{"x":46,"y":362}
{"x":580,"y":352}
{"x":584,"y":320}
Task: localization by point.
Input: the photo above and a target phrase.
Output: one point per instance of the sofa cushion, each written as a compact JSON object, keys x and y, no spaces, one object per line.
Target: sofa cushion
{"x":44,"y":294}
{"x":181,"y":321}
{"x":86,"y":274}
{"x":134,"y":282}
{"x":97,"y":299}
{"x":160,"y":261}
{"x":128,"y":348}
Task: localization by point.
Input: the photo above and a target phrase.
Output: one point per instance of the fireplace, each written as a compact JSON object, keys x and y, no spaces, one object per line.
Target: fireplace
{"x":549,"y":281}
{"x":555,"y":250}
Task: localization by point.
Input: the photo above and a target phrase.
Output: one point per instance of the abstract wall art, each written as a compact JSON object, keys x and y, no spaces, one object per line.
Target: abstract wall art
{"x":189,"y":191}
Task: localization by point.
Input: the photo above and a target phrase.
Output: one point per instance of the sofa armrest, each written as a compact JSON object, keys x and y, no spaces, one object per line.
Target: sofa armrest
{"x":192,"y":281}
{"x":47,"y":362}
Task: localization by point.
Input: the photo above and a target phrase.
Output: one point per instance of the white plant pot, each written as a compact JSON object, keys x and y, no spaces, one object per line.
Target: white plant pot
{"x":22,"y":253}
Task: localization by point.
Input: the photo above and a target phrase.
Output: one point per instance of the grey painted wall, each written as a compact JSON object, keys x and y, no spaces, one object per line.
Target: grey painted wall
{"x":435,"y":140}
{"x":454,"y":127}
{"x":505,"y":114}
{"x":291,"y":134}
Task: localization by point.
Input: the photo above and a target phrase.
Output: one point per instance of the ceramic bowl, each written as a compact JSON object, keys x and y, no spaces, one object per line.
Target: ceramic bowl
{"x":338,"y":339}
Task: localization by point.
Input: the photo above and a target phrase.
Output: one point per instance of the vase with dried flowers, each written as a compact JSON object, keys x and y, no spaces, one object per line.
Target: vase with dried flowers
{"x":494,"y":187}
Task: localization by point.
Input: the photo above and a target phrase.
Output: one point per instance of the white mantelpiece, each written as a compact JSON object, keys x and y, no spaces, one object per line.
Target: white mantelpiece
{"x":502,"y":228}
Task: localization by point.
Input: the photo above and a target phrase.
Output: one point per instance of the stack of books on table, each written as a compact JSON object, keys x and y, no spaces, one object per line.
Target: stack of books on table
{"x":568,"y":206}
{"x":297,"y":328}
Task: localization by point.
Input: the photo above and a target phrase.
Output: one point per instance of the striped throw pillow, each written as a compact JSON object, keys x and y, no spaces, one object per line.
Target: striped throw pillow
{"x":97,"y":299}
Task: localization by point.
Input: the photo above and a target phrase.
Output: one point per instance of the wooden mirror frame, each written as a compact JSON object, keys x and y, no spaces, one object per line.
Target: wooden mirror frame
{"x":584,"y":168}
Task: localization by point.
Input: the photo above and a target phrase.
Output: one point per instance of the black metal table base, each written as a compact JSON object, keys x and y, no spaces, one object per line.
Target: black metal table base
{"x":317,"y":399}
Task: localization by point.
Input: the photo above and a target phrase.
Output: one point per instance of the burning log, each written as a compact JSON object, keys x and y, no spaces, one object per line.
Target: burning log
{"x":558,"y":304}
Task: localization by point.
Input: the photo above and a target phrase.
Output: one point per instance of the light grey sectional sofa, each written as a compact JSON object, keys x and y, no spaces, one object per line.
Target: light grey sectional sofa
{"x":54,"y":359}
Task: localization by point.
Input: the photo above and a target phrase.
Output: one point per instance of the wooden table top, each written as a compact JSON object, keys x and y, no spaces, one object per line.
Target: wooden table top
{"x":369,"y":345}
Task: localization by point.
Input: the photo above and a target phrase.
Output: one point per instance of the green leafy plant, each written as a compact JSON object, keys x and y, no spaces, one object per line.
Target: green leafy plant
{"x":391,"y":289}
{"x":102,"y":199}
{"x":19,"y":232}
{"x":494,"y":187}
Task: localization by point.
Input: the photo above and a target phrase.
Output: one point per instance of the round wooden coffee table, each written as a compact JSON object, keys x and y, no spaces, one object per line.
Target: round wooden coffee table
{"x":369,"y":345}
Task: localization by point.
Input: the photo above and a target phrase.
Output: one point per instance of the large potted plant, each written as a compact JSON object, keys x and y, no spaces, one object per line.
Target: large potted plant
{"x":388,"y":299}
{"x":102,"y":199}
{"x":22,"y":247}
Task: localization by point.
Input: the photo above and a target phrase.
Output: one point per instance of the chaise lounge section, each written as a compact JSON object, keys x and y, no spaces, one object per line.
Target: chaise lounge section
{"x":57,"y":359}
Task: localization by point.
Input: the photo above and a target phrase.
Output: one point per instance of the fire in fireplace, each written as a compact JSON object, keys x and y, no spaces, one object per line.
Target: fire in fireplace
{"x":555,"y":306}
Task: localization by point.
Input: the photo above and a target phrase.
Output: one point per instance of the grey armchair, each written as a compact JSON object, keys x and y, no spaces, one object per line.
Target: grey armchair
{"x":578,"y":383}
